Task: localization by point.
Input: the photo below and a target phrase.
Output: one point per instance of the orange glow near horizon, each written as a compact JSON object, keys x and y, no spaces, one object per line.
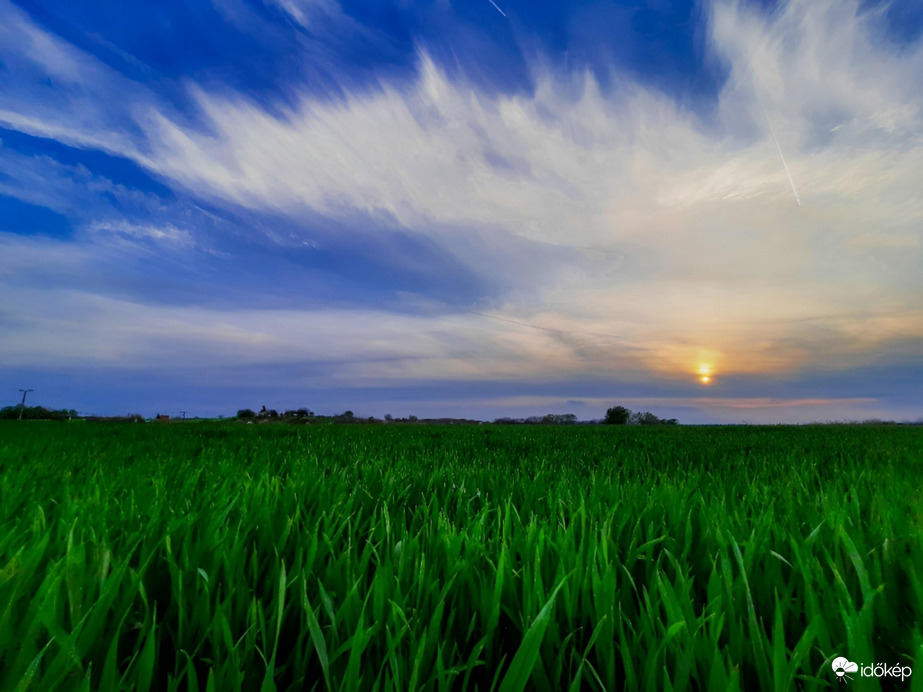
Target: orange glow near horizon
{"x":705,"y":379}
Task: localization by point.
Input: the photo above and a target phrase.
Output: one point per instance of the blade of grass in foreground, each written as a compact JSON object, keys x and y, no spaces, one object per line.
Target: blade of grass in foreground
{"x":146,"y":662}
{"x":517,"y":677}
{"x":316,"y":635}
{"x":33,"y":668}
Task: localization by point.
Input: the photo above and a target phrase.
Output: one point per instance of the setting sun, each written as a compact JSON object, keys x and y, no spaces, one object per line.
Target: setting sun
{"x":705,"y":373}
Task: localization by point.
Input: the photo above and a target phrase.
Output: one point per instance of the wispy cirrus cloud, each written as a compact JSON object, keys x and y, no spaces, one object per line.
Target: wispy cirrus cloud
{"x":581,"y":169}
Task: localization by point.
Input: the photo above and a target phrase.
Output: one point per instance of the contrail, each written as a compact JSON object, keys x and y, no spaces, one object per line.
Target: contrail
{"x":498,"y":9}
{"x":784,"y":165}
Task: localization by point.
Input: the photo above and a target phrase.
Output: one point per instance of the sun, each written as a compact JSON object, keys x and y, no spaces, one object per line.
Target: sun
{"x":705,"y":373}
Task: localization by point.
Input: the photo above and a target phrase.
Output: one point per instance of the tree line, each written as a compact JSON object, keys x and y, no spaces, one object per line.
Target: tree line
{"x":35,"y":413}
{"x":617,"y":415}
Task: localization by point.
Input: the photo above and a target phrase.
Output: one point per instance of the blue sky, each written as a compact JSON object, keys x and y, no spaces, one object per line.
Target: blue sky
{"x":709,"y":210}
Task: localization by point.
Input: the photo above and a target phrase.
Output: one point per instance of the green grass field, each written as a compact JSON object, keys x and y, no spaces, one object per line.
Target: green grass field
{"x":208,"y":556}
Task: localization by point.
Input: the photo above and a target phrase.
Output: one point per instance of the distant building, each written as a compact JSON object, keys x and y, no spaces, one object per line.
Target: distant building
{"x":163,"y":417}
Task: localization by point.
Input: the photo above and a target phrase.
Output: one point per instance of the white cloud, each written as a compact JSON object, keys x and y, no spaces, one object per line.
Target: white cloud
{"x":49,"y":88}
{"x":303,"y":11}
{"x":162,"y":233}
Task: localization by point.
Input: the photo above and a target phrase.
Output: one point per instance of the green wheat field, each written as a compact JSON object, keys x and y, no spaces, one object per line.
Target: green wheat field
{"x":222,"y":556}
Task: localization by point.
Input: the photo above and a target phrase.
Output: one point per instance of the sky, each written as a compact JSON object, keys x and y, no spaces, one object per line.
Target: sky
{"x":709,"y":210}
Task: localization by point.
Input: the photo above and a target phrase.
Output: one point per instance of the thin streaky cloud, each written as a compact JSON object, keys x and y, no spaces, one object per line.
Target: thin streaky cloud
{"x":496,"y":7}
{"x":782,"y":157}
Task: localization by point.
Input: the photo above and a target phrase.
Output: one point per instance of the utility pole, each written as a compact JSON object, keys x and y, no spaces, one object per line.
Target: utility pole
{"x":184,"y":414}
{"x":22,"y":406}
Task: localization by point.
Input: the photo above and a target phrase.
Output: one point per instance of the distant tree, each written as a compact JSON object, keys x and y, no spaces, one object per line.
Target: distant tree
{"x":646,"y":418}
{"x":389,"y":417}
{"x":272,"y":413}
{"x":246,"y":414}
{"x":412,"y":419}
{"x":297,"y":413}
{"x":617,"y":415}
{"x":348,"y":414}
{"x":560,"y":419}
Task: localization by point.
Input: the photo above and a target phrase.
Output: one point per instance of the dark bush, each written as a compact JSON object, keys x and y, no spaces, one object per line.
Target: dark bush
{"x":617,"y":415}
